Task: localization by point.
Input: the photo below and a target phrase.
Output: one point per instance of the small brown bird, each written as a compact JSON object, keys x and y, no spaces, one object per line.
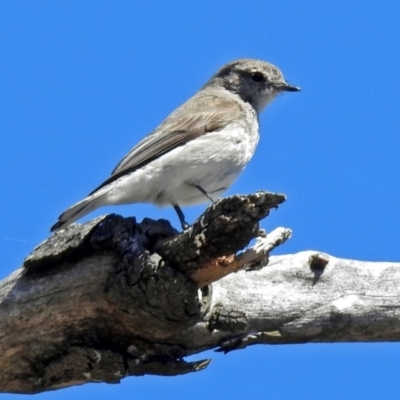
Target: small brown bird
{"x":199,"y":150}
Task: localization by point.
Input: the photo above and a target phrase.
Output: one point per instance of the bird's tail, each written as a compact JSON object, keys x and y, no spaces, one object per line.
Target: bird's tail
{"x":75,"y":212}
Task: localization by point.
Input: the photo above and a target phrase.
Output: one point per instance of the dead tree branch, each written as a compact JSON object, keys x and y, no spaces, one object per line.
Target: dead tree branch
{"x":115,"y":298}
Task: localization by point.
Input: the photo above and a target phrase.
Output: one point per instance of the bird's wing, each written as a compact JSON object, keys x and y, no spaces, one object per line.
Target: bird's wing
{"x":199,"y":115}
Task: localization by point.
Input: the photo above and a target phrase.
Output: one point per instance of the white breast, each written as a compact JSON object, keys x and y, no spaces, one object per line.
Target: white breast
{"x":212,"y":161}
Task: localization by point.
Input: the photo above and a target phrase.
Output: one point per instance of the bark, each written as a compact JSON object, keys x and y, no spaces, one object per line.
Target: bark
{"x":114,"y":298}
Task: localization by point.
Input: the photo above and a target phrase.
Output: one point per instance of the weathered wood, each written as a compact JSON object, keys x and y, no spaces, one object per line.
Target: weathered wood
{"x":105,"y":300}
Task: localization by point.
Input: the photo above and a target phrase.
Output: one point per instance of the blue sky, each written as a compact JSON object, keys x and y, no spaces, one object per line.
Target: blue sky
{"x":83,"y":81}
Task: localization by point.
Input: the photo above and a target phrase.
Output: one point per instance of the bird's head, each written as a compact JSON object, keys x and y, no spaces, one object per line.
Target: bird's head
{"x":256,"y":82}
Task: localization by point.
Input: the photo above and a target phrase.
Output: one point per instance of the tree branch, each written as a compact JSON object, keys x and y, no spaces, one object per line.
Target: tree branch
{"x":114,"y":298}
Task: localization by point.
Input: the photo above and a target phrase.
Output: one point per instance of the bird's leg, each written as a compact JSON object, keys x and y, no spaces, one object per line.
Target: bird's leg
{"x":178,"y":210}
{"x":204,"y":192}
{"x":181,"y":217}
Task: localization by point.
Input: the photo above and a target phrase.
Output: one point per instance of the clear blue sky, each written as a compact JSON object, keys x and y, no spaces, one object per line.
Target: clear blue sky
{"x":83,"y":81}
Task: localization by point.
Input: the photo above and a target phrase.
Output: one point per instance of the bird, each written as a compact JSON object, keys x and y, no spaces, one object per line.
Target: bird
{"x":198,"y":151}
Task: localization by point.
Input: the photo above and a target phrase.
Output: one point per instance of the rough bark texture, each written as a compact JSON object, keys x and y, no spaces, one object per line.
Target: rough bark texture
{"x":114,"y":298}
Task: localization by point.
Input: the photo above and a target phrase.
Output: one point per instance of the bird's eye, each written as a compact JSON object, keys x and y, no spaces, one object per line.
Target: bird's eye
{"x":257,"y":76}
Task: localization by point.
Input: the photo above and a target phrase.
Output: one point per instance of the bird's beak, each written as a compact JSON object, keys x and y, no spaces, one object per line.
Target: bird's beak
{"x":285,"y":87}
